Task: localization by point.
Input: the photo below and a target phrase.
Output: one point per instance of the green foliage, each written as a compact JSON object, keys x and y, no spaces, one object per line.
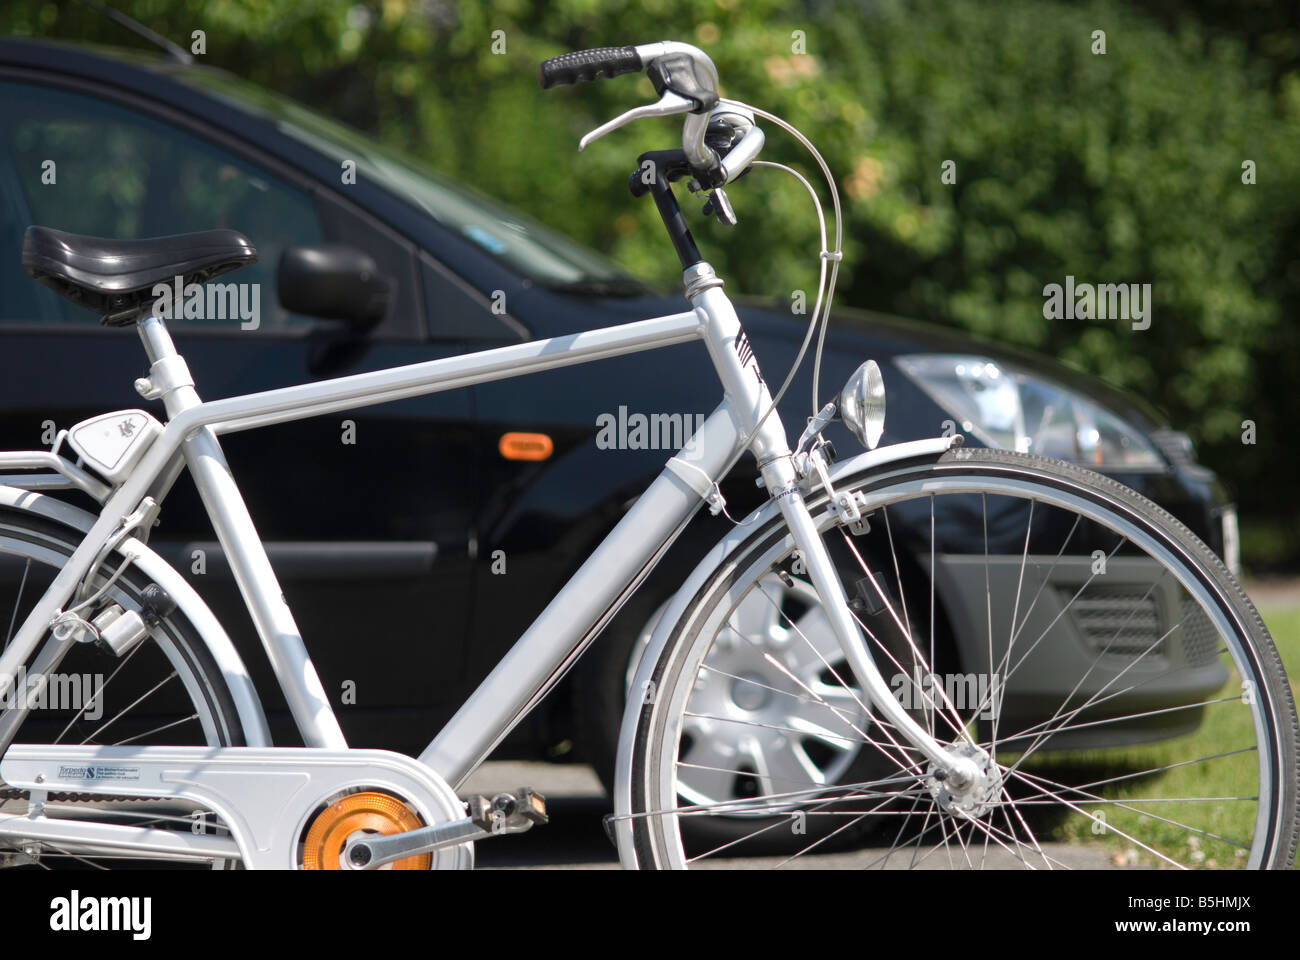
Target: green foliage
{"x":1117,"y":168}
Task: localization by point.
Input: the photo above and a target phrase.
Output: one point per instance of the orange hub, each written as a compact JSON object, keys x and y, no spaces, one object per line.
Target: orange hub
{"x":371,"y":811}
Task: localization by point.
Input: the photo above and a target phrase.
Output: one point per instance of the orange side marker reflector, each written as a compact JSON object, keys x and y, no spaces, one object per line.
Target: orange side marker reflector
{"x":525,"y":446}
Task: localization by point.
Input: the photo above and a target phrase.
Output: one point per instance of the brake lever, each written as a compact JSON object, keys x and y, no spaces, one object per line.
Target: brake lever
{"x":668,"y":105}
{"x":720,"y":206}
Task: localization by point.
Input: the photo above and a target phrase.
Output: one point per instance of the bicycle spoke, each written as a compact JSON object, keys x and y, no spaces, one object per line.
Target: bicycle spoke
{"x":959,"y":728}
{"x":988,"y":613}
{"x":934,"y":575}
{"x":1123,"y":806}
{"x":139,"y":700}
{"x":99,"y":692}
{"x":13,"y":618}
{"x":780,"y":667}
{"x":1151,"y":771}
{"x":898,"y":575}
{"x":999,"y":691}
{"x":159,"y":729}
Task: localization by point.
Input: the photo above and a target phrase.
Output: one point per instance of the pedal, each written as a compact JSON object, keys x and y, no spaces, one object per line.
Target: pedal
{"x":508,"y":812}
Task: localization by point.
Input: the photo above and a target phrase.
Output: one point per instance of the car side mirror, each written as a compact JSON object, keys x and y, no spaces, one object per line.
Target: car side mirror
{"x":334,"y":281}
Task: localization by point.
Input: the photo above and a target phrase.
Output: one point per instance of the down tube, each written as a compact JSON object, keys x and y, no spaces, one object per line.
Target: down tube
{"x":591,"y":598}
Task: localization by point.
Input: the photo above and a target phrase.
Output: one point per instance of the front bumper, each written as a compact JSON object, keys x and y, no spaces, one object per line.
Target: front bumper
{"x":1132,"y":641}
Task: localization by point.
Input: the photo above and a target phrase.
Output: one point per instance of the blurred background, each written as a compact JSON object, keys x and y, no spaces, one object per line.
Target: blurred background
{"x":1122,"y":167}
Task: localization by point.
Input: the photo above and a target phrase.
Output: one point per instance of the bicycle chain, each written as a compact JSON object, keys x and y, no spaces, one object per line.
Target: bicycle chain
{"x":11,"y":793}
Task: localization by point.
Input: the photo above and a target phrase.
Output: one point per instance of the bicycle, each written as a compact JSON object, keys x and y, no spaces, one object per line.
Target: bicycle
{"x":813,"y":588}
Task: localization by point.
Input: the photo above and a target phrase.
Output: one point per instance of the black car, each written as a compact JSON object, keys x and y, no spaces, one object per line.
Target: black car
{"x":412,"y":544}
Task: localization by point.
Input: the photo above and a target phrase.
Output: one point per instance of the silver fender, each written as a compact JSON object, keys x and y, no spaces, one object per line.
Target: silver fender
{"x":247,"y":704}
{"x":687,"y":591}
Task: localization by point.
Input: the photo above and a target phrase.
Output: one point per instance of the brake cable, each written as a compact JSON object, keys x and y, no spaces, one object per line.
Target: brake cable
{"x":834,"y":256}
{"x":822,"y":306}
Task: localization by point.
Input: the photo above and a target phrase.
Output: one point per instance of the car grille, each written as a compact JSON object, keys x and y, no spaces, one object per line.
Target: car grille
{"x":1200,"y":639}
{"x":1126,"y":622}
{"x":1120,"y":622}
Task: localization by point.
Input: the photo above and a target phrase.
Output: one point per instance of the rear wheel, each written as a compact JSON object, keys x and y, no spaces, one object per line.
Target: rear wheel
{"x":165,"y":691}
{"x":1122,"y":697}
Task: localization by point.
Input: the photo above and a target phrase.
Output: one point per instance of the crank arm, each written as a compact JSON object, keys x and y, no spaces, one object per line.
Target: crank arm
{"x":370,"y":853}
{"x":501,"y":815}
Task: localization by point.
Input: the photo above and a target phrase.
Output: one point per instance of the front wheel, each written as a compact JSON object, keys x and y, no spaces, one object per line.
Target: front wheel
{"x":1118,"y":691}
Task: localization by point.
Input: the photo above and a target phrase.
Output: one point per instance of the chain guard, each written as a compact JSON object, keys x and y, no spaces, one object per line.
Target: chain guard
{"x":265,"y":796}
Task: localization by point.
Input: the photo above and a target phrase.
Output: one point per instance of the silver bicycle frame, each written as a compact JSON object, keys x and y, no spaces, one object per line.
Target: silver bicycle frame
{"x":578,"y":612}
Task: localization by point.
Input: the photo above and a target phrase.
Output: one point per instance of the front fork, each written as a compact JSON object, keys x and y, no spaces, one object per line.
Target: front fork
{"x":780,"y":478}
{"x":766,"y":437}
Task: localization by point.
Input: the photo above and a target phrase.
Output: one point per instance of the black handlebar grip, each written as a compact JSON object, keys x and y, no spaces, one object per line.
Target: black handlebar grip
{"x":584,"y":65}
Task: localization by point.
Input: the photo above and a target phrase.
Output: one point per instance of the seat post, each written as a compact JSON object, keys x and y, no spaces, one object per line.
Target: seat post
{"x":169,"y":376}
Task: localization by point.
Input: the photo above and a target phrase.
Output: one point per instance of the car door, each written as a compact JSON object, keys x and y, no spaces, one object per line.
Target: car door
{"x":365,"y":514}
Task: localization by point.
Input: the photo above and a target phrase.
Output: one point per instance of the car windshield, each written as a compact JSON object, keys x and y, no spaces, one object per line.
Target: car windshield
{"x":527,"y":247}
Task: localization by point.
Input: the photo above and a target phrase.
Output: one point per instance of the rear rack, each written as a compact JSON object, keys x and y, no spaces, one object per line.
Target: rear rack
{"x":65,"y":474}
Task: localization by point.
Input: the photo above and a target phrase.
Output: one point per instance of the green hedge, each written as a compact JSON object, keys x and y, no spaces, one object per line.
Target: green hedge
{"x":1117,"y":168}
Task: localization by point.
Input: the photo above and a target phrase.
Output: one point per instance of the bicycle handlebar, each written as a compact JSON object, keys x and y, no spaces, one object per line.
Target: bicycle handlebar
{"x":583,"y":66}
{"x":677,"y":69}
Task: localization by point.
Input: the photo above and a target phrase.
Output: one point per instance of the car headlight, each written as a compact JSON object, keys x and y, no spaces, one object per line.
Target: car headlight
{"x":1013,"y":409}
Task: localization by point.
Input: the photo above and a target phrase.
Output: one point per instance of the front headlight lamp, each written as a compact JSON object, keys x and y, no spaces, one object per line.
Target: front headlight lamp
{"x":862,"y":404}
